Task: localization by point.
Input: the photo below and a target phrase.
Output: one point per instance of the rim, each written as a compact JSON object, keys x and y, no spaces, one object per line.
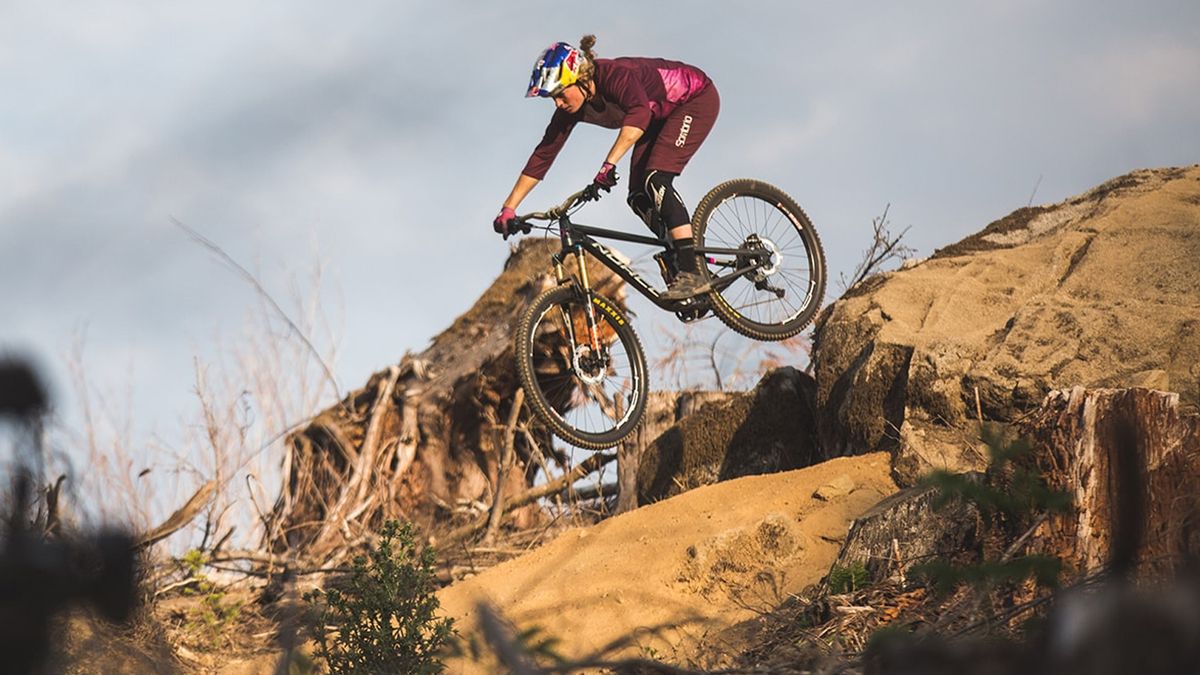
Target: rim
{"x":586,"y":402}
{"x":744,"y":219}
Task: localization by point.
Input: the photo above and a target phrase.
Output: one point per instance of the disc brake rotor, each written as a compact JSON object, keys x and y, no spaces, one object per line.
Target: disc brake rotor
{"x":757,"y":243}
{"x":589,"y":365}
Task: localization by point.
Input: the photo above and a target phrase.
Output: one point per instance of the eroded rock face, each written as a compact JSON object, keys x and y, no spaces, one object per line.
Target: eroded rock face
{"x":739,"y":434}
{"x":1098,"y":291}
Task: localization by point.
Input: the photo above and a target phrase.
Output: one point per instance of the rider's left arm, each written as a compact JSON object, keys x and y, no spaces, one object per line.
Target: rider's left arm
{"x":625,"y":140}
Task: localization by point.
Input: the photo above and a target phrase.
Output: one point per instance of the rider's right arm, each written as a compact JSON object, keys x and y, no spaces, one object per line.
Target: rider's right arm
{"x":522,"y":188}
{"x":557,"y":131}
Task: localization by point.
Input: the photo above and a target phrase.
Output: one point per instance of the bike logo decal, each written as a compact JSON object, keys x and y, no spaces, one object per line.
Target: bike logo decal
{"x":619,"y":261}
{"x":608,"y":309}
{"x":659,"y":193}
{"x":683,"y":131}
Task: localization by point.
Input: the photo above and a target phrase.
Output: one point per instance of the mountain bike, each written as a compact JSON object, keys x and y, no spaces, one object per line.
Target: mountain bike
{"x":578,"y":357}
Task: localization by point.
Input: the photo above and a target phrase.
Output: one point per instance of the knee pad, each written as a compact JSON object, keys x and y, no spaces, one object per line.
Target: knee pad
{"x":667,"y":203}
{"x":639,"y":202}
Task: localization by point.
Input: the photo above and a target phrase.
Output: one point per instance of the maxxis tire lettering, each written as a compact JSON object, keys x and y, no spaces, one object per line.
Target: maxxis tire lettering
{"x":603,"y":304}
{"x":536,"y":399}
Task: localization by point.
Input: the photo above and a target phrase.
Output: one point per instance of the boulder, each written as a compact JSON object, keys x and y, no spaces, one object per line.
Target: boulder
{"x":1100,"y":290}
{"x":761,"y":431}
{"x":838,"y":487}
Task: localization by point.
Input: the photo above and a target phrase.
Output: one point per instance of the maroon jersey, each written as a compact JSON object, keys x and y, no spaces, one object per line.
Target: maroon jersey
{"x":630,"y":92}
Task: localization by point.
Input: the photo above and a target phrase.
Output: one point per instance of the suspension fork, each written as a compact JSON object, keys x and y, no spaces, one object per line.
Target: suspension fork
{"x":585,"y":285}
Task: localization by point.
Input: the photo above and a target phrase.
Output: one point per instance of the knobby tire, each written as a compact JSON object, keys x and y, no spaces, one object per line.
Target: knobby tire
{"x":548,"y":377}
{"x":743,"y":207}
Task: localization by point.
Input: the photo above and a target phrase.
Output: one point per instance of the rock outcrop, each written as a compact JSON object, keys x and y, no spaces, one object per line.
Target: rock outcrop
{"x":761,"y":431}
{"x":1098,"y":291}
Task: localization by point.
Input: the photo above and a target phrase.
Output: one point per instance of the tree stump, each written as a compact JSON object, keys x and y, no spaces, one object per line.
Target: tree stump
{"x":418,"y":441}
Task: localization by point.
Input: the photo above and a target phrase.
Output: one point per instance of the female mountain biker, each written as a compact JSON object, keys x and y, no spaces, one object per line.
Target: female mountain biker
{"x":664,"y":110}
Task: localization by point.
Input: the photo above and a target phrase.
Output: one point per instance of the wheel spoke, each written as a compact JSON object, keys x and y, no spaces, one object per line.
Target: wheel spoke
{"x":589,"y":398}
{"x":751,"y":216}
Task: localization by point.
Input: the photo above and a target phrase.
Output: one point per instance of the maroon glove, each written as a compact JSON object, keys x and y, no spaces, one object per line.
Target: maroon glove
{"x":606,"y":179}
{"x":505,"y":223}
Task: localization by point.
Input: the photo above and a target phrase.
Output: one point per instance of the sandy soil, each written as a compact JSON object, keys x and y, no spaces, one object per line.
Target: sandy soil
{"x":662,"y":580}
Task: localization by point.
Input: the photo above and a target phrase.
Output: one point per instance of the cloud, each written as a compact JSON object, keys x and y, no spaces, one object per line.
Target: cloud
{"x":389,"y":133}
{"x":782,"y":141}
{"x":1143,"y":79}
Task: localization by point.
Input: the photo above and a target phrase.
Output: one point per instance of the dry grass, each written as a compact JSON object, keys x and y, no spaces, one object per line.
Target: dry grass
{"x":248,"y":394}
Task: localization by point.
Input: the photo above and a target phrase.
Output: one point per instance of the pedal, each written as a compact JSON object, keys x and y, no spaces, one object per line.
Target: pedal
{"x":697,"y":309}
{"x":764,"y":286}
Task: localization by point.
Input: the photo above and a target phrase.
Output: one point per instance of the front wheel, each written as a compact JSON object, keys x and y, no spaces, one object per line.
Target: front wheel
{"x":590,"y":393}
{"x":782,"y":293}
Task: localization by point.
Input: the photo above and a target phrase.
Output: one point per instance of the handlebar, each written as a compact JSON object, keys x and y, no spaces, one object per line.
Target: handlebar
{"x":588,"y":194}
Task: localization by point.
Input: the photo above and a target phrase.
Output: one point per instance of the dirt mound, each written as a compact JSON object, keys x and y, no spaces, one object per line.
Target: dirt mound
{"x":660,"y":579}
{"x":1097,"y":291}
{"x":739,"y":563}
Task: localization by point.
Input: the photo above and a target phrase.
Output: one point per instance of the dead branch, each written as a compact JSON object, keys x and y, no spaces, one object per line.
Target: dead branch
{"x":181,"y":517}
{"x":367,"y":456}
{"x":410,"y":435}
{"x":884,"y":248}
{"x":535,"y":451}
{"x":53,"y":519}
{"x":589,"y":465}
{"x":602,"y":491}
{"x":503,"y":465}
{"x":593,"y":463}
{"x":628,"y":459}
{"x":262,"y":292}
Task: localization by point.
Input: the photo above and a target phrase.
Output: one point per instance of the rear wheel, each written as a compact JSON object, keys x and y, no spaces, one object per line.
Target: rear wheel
{"x":590,"y":397}
{"x":782,"y":294}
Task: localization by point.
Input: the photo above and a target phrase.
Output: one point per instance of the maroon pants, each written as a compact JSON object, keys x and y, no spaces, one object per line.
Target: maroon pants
{"x":670,"y":145}
{"x":661,"y":154}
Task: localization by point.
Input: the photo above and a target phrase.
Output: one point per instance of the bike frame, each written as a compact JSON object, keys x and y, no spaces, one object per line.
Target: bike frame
{"x":577,"y":238}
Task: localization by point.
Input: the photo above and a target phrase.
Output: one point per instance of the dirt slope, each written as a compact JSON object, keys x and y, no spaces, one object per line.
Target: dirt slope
{"x":690,"y":565}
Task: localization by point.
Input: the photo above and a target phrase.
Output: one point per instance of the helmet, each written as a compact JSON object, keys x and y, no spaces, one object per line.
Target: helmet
{"x":556,"y":68}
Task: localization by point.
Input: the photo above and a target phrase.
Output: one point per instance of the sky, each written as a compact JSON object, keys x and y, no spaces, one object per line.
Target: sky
{"x":376,"y":141}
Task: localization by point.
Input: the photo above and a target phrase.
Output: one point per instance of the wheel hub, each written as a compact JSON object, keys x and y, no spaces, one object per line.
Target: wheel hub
{"x":774,"y":257}
{"x":590,"y":366}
